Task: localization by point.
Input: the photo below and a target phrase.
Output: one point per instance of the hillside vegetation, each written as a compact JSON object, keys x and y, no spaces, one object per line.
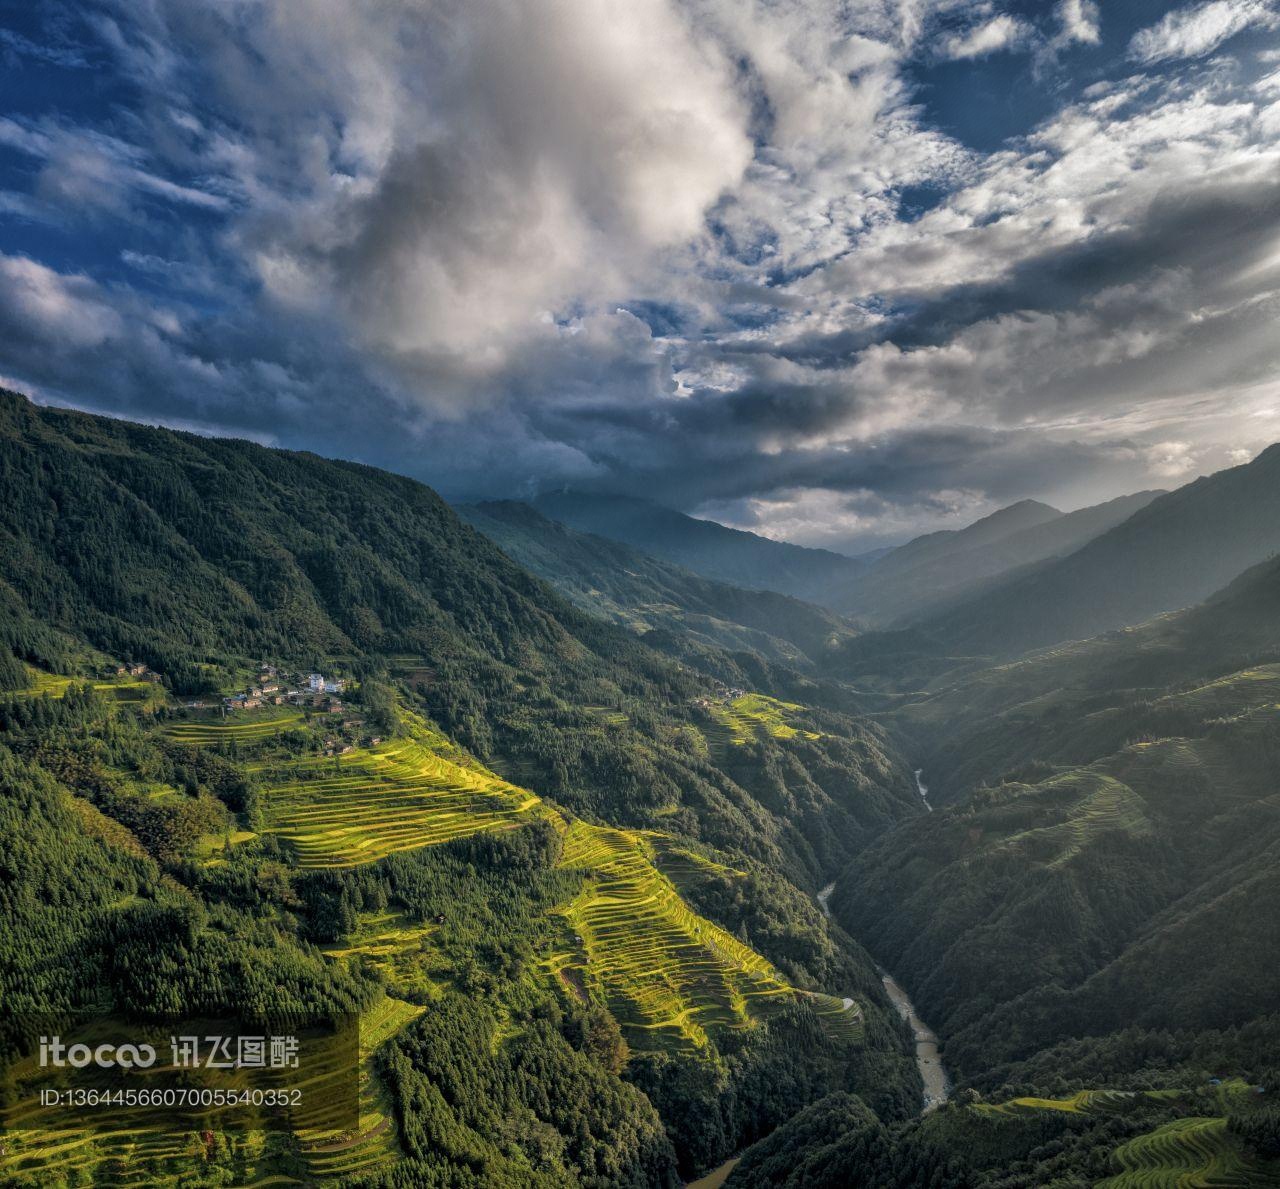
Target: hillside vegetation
{"x":658,"y":598}
{"x":1110,"y":846}
{"x":513,"y":815}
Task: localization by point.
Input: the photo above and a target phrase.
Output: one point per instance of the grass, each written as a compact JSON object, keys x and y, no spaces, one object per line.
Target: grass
{"x":135,"y":1157}
{"x":404,"y":794}
{"x":1097,"y":803}
{"x":745,"y":719}
{"x":373,"y":1143}
{"x":211,"y":847}
{"x":630,"y":940}
{"x":1196,"y":1152}
{"x":1232,"y":694}
{"x":55,"y":685}
{"x":1082,"y":1102}
{"x":394,"y":946}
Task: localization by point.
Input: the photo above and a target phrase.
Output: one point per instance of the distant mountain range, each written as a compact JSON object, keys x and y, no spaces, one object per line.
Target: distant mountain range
{"x":1175,"y":551}
{"x":647,"y":594}
{"x":1025,"y":577}
{"x":935,"y":570}
{"x":705,"y":547}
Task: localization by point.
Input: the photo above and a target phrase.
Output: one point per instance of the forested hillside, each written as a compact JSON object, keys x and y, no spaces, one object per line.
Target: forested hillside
{"x":586,"y":861}
{"x":635,"y":590}
{"x":706,"y":548}
{"x":1092,"y":907}
{"x":284,"y":731}
{"x":195,"y":555}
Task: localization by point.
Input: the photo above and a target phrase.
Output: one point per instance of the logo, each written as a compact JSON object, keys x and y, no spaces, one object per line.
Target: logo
{"x":54,"y":1054}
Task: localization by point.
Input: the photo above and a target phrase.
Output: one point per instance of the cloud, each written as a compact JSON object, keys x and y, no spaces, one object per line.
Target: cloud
{"x":69,"y":56}
{"x":1078,"y":21}
{"x":1199,"y":29}
{"x":1001,"y":32}
{"x":557,"y":151}
{"x":85,"y":169}
{"x":676,"y":247}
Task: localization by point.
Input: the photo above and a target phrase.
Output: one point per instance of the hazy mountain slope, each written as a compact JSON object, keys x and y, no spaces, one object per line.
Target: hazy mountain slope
{"x":1108,"y":855}
{"x":1174,"y":552}
{"x":947,"y":567}
{"x":1082,"y":700}
{"x":1139,"y":890}
{"x":645,"y":594}
{"x":706,"y":548}
{"x":1004,"y":522}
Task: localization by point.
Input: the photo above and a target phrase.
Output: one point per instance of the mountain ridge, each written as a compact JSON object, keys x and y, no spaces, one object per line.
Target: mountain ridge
{"x":1172,"y":553}
{"x":706,"y":547}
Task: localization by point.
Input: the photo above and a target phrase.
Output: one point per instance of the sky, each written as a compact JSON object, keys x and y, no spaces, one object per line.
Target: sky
{"x":836,"y":272}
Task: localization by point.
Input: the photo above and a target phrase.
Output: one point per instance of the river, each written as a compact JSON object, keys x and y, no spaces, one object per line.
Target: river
{"x":937,"y":1086}
{"x":923,"y":789}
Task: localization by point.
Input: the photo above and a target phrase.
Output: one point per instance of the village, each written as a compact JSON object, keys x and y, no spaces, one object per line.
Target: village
{"x":722,"y":694}
{"x":274,"y":688}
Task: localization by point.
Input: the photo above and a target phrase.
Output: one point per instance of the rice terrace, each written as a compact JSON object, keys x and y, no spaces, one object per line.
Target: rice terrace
{"x":626,"y":939}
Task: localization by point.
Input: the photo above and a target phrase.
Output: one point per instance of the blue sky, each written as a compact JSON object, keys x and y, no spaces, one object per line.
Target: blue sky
{"x":837,"y":273}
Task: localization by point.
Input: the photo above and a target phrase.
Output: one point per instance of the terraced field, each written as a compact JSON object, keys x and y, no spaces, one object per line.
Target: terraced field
{"x":1233,"y":693}
{"x":401,"y":795}
{"x":743,"y":719}
{"x":1195,"y":1153}
{"x":373,"y":1143}
{"x":239,"y":728}
{"x":1233,"y":762}
{"x":1082,"y":1102}
{"x":141,"y":1157}
{"x":393,"y":945}
{"x":667,"y":974}
{"x":55,"y":685}
{"x":630,"y":939}
{"x":1101,"y":804}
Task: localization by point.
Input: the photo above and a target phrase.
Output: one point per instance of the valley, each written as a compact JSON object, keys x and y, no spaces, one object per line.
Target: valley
{"x":614,"y":873}
{"x":933,"y":1074}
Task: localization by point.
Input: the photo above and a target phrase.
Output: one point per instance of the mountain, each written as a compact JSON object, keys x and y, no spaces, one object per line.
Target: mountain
{"x":712,"y":550}
{"x":647,"y":595}
{"x":1172,"y":553}
{"x":564,"y":881}
{"x":946,"y":567}
{"x":1087,"y":919}
{"x":1075,"y":702}
{"x":282,"y":733}
{"x":1026,"y":514}
{"x":1106,"y":838}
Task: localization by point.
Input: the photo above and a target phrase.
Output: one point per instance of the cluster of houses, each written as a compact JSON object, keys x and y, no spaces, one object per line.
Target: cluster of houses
{"x":276,"y":689}
{"x":138,"y":670}
{"x":723,"y":693}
